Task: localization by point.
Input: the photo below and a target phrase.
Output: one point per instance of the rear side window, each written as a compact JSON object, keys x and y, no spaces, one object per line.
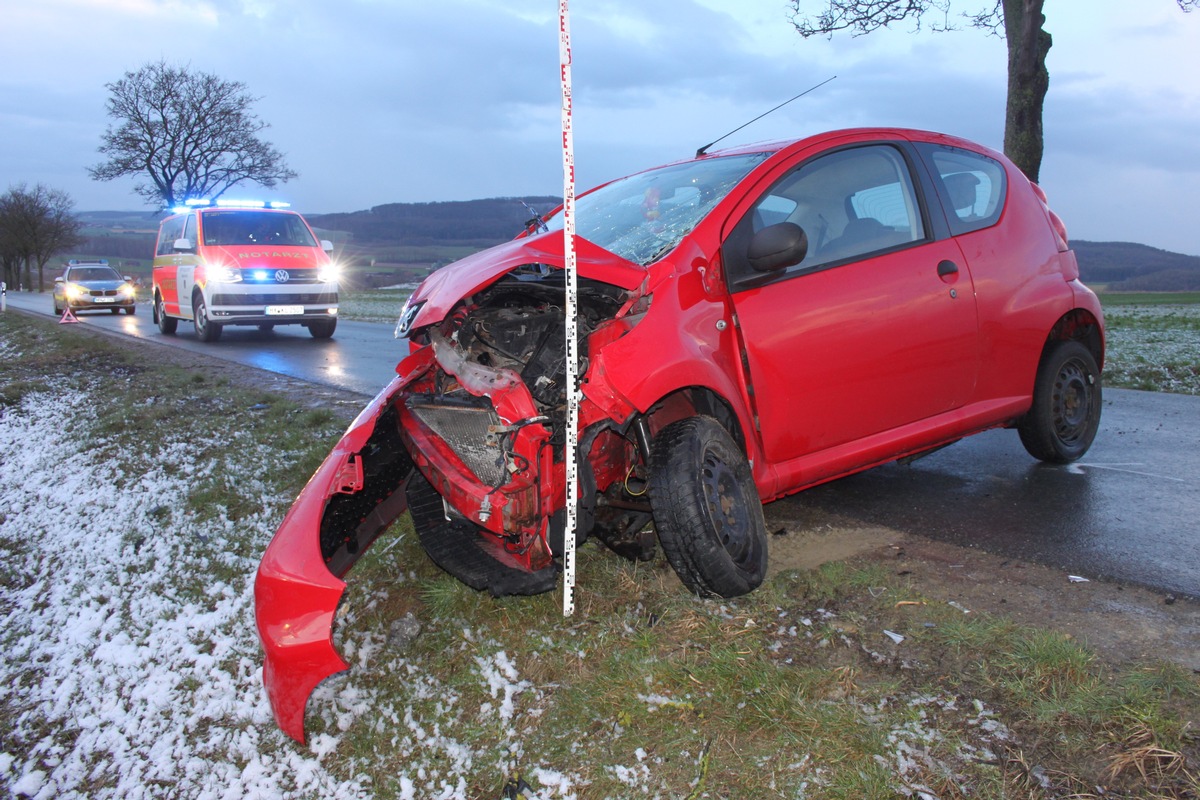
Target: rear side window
{"x":972,"y":186}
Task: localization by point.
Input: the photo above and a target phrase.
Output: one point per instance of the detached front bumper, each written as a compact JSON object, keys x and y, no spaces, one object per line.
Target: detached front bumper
{"x":356,"y":493}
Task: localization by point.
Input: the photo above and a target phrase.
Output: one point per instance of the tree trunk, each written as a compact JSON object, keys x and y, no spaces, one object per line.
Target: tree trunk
{"x":1028,"y":82}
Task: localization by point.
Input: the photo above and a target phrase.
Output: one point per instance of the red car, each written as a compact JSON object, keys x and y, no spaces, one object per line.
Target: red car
{"x":752,"y":322}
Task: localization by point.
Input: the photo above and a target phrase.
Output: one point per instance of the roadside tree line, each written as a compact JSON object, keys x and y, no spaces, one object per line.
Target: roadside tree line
{"x":35,"y":224}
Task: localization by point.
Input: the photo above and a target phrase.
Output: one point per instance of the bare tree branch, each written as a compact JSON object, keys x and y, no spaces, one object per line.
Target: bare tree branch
{"x":191,"y":134}
{"x":35,"y":224}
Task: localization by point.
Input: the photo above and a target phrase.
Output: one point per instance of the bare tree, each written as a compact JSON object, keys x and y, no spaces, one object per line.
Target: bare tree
{"x":191,"y":133}
{"x":1021,"y":22}
{"x":35,"y":224}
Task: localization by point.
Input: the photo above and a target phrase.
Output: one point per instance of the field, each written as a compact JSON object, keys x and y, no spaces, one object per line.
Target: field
{"x":1153,"y":341}
{"x":132,"y":668}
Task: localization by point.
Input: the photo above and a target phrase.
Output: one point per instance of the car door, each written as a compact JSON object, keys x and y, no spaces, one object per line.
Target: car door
{"x":874,"y":329}
{"x":185,"y":266}
{"x":166,"y":264}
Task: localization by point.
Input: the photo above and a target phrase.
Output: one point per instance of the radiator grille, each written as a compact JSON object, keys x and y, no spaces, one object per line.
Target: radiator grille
{"x":465,"y":430}
{"x":307,"y":299}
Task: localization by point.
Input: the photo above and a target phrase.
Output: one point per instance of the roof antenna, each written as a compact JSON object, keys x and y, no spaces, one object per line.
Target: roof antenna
{"x":702,"y":150}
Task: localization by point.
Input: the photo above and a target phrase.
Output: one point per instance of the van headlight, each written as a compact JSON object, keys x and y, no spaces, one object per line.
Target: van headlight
{"x":223,"y":273}
{"x":329,"y":273}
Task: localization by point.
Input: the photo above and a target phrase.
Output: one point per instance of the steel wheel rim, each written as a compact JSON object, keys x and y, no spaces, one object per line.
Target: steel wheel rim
{"x":1072,"y":402}
{"x":728,"y":510}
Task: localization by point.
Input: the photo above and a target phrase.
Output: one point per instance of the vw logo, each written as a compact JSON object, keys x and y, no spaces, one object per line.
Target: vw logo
{"x":282,"y":276}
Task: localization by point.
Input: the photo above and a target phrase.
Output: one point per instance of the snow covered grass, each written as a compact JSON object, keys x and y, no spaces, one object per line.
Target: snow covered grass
{"x":135,"y":502}
{"x":1154,"y":347}
{"x":374,"y":305}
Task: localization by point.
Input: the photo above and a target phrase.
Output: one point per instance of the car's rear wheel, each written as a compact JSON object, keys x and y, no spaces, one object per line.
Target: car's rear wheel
{"x":206,"y":329}
{"x":706,"y":509}
{"x":267,"y":327}
{"x":323,"y":329}
{"x":1065,"y":415}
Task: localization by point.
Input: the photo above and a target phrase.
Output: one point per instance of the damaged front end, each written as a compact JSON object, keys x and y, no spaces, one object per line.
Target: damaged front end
{"x":469,"y":438}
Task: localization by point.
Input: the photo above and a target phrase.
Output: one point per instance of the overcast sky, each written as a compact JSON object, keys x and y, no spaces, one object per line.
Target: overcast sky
{"x":381,"y":101}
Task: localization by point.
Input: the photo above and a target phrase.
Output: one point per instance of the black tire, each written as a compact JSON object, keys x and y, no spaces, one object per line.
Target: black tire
{"x":168,"y":325}
{"x":57,"y":310}
{"x":706,"y":509}
{"x":206,"y":329}
{"x":323,"y":329}
{"x":129,"y":310}
{"x":1065,"y":415}
{"x":457,"y":547}
{"x":267,"y":327}
{"x":115,"y":310}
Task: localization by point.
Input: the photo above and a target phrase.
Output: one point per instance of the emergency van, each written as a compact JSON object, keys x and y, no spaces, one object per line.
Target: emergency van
{"x":234,"y":263}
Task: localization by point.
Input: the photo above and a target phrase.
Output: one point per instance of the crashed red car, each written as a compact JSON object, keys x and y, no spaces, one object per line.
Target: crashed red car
{"x":753,"y":322}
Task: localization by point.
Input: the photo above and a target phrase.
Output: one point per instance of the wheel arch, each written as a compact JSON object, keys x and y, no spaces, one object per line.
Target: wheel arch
{"x":1082,"y":326}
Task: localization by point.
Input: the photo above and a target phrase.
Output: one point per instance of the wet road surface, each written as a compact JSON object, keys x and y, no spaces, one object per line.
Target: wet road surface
{"x":1129,"y":511}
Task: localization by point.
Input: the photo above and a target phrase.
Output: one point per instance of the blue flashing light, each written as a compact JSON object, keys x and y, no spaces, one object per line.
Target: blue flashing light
{"x":223,"y":203}
{"x":260,"y":275}
{"x":197,"y":202}
{"x":279,"y":204}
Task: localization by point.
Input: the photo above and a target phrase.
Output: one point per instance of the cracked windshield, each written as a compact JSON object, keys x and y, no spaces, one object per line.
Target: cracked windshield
{"x":642,"y":217}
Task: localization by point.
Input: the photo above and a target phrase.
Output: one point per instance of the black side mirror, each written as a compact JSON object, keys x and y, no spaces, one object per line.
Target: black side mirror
{"x":777,"y":246}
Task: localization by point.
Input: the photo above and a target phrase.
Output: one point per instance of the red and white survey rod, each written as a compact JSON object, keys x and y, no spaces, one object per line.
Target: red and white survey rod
{"x":573,"y":394}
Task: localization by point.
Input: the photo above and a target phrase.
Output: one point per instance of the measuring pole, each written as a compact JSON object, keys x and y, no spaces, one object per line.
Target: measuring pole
{"x":571,"y":455}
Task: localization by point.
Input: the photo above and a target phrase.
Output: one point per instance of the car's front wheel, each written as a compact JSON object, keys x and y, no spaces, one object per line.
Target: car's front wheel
{"x":206,"y":329}
{"x":1061,"y":424}
{"x":323,"y":329}
{"x":130,"y":309}
{"x":167,"y":325}
{"x":706,"y":509}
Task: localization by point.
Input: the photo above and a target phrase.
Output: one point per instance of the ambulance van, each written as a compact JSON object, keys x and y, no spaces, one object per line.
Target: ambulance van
{"x":243,"y":264}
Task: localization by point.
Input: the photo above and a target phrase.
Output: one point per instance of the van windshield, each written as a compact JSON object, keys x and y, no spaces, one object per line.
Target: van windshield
{"x":242,"y":227}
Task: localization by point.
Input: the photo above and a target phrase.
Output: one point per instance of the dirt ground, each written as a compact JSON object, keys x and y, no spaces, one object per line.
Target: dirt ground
{"x":1119,"y":622}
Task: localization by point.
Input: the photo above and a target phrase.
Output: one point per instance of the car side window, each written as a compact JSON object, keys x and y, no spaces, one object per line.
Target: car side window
{"x":972,"y":186}
{"x":172,"y":229}
{"x":850,"y":204}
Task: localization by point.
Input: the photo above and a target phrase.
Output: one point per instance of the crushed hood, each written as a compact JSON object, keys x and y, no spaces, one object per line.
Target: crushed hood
{"x":442,"y":290}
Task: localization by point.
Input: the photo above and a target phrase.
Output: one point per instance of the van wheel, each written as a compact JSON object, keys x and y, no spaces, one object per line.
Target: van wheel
{"x":266,"y":327}
{"x":706,"y":509}
{"x":323,"y":329}
{"x":1065,"y":415}
{"x":206,"y":329}
{"x":166,"y":324}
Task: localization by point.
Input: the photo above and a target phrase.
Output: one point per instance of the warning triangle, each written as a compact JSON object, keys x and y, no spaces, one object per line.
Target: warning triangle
{"x":68,"y":316}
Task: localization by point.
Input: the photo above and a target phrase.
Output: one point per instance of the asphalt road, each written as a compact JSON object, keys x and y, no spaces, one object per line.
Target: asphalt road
{"x":360,"y":357}
{"x":1129,"y":511}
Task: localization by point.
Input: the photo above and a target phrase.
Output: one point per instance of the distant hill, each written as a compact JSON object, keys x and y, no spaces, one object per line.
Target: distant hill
{"x":478,"y":223}
{"x":1128,"y":267}
{"x":431,"y":234}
